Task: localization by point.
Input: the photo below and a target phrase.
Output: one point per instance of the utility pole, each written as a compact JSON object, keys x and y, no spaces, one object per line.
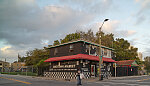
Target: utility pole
{"x":100,"y":58}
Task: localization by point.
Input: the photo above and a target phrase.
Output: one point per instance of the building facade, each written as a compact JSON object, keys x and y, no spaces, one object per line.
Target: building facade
{"x":126,"y":68}
{"x":66,"y":59}
{"x":4,"y":66}
{"x":18,"y":66}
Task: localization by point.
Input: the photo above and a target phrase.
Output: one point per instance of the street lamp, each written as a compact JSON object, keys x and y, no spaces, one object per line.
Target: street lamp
{"x":100,"y":58}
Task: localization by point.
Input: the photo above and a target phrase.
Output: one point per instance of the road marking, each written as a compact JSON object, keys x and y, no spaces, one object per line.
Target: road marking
{"x":15,"y":80}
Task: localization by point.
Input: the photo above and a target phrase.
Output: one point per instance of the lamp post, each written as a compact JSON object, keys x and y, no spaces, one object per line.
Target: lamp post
{"x":100,"y":58}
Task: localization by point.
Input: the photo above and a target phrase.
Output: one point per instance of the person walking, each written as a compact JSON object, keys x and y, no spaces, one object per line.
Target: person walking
{"x":78,"y":78}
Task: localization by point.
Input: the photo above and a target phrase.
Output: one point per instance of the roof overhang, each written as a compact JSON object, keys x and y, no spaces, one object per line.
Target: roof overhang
{"x":79,"y":56}
{"x":88,"y":42}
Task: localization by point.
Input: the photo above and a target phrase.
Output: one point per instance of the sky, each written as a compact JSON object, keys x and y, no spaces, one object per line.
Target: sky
{"x":29,"y":24}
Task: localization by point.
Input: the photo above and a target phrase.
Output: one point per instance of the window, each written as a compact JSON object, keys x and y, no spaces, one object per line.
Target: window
{"x":105,"y":52}
{"x":87,"y":48}
{"x":56,"y":51}
{"x":71,"y":48}
{"x":109,"y":53}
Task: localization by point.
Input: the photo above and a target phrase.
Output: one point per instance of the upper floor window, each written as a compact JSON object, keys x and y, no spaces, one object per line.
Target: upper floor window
{"x":71,"y":48}
{"x":105,"y":52}
{"x":109,"y":53}
{"x":87,"y":48}
{"x":56,"y":51}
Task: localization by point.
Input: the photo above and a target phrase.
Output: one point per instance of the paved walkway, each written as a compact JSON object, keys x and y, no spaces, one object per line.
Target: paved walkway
{"x":110,"y":78}
{"x":92,"y":79}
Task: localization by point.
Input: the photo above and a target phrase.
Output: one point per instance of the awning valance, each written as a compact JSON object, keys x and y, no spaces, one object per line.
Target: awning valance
{"x":79,"y":56}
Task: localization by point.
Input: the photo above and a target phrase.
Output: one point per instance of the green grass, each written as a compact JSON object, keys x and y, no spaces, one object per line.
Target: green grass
{"x":20,"y":73}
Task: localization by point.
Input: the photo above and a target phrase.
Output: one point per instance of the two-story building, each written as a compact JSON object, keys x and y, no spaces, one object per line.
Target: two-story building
{"x":66,"y":59}
{"x":4,"y":66}
{"x":18,"y":66}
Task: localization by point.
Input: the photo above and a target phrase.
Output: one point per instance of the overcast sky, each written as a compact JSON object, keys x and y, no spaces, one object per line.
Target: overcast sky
{"x":29,"y":24}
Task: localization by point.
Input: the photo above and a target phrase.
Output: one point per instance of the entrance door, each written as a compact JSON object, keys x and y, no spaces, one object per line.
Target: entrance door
{"x":93,"y":70}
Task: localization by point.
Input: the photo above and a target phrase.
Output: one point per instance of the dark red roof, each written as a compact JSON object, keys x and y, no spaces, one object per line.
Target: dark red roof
{"x":79,"y":56}
{"x":126,"y":62}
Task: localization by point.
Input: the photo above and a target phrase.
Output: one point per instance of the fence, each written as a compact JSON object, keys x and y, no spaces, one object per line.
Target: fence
{"x":125,"y":71}
{"x":25,"y":70}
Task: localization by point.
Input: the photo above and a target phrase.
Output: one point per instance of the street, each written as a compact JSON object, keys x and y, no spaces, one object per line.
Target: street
{"x":15,"y":80}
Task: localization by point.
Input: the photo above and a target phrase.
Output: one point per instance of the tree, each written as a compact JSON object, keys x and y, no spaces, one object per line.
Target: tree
{"x":33,"y":57}
{"x":56,"y":42}
{"x":147,"y":64}
{"x":70,"y":37}
{"x":123,"y":50}
{"x":21,"y":59}
{"x":106,"y":39}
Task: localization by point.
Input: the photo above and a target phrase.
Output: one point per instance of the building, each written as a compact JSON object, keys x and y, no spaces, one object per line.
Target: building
{"x":66,"y":59}
{"x":18,"y":66}
{"x":140,"y":56}
{"x":126,"y":68}
{"x":4,"y":66}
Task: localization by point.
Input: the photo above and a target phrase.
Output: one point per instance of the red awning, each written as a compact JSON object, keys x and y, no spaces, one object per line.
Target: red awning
{"x":79,"y":56}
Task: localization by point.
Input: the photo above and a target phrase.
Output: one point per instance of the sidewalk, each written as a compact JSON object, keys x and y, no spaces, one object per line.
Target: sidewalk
{"x":92,"y":79}
{"x":110,"y":78}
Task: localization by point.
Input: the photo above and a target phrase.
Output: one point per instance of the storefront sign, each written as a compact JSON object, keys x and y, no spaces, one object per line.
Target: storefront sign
{"x":62,"y":69}
{"x":64,"y":66}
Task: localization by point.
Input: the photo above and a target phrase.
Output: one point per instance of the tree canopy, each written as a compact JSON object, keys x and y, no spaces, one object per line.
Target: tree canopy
{"x":123,"y":49}
{"x":36,"y":56}
{"x":147,"y":64}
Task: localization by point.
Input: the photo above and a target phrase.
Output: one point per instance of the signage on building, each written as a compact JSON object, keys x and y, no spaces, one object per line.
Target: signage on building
{"x":64,"y":66}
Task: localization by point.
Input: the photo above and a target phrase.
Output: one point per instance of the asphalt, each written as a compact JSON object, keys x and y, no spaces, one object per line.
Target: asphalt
{"x":17,"y":80}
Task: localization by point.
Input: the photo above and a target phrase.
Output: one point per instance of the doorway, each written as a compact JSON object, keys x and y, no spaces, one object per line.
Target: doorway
{"x":93,"y":70}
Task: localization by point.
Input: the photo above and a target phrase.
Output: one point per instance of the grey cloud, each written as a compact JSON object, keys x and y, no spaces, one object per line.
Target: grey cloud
{"x":140,"y":19}
{"x":24,"y":25}
{"x":97,"y":7}
{"x":143,"y":14}
{"x":124,"y":33}
{"x":146,"y":52}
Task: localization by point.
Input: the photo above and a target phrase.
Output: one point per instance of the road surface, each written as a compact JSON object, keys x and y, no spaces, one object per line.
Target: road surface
{"x":15,"y":80}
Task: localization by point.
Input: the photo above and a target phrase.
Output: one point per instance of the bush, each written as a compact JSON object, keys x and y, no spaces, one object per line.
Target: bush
{"x":20,"y":73}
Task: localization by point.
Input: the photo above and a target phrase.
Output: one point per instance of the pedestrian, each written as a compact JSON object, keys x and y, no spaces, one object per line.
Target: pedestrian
{"x":78,"y":78}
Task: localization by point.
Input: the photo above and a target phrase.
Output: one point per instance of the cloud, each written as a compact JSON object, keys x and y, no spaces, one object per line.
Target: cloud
{"x":131,"y":32}
{"x":25,"y":26}
{"x":143,"y":13}
{"x":146,"y":52}
{"x":97,"y":7}
{"x":112,"y":27}
{"x":140,"y":19}
{"x":108,"y":27}
{"x":5,"y":48}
